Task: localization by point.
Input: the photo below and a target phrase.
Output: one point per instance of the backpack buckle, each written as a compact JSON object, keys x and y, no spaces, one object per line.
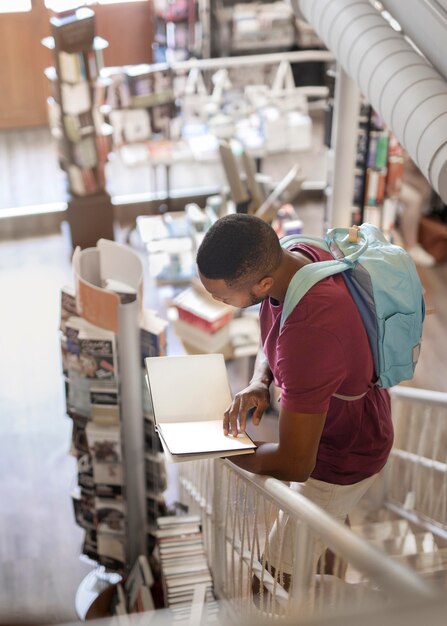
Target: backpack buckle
{"x":353,"y":234}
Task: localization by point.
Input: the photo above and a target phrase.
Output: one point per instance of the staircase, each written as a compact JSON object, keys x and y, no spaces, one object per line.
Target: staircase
{"x":406,"y":515}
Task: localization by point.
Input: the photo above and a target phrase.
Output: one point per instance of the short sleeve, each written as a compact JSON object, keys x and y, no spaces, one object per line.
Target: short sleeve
{"x":310,"y":366}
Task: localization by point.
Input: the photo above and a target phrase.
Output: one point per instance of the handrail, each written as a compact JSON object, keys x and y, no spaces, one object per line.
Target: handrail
{"x":216,"y":63}
{"x":298,"y":56}
{"x":420,"y":395}
{"x":397,"y":578}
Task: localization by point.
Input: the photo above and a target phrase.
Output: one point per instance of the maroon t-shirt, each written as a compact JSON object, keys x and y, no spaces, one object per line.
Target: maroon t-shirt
{"x":323,"y":349}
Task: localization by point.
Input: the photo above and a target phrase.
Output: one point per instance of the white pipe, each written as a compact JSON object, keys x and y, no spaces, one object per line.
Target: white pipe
{"x":419,"y":395}
{"x":425,"y":23}
{"x":344,"y":145}
{"x":400,"y":84}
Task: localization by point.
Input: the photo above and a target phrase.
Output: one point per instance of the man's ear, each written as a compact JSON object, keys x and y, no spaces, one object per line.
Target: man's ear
{"x":263,"y":286}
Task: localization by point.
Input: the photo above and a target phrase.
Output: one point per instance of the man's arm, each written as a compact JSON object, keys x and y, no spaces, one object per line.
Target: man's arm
{"x":294,"y":457}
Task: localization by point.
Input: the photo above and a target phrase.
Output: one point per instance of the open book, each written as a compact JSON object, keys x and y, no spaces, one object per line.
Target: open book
{"x":189,"y":396}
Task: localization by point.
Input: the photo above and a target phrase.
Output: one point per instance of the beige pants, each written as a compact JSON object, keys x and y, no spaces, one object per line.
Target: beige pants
{"x":337,"y":500}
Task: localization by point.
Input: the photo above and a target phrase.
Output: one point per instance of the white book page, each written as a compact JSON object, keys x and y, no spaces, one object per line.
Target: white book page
{"x":197,"y":437}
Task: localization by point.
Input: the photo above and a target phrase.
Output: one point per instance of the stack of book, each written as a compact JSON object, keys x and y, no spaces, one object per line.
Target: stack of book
{"x":186,"y":578}
{"x":203,"y":324}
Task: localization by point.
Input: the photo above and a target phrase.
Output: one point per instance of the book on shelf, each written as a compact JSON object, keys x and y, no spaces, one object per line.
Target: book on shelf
{"x":111,"y":550}
{"x":76,"y":97}
{"x":136,"y":125}
{"x":105,"y":414}
{"x":54,"y":116}
{"x":118,"y":604}
{"x":90,"y":544}
{"x":137,"y":586}
{"x":151,"y":439}
{"x":189,"y":422}
{"x":83,"y":181}
{"x":78,"y":399}
{"x":85,"y":473}
{"x":67,"y":304}
{"x":153,"y":335}
{"x":84,"y":152}
{"x":84,"y":509}
{"x":79,"y":437}
{"x":155,"y":471}
{"x":110,"y":474}
{"x":110,"y":515}
{"x":104,"y":442}
{"x":93,"y":350}
{"x":71,"y":67}
{"x":155,"y":506}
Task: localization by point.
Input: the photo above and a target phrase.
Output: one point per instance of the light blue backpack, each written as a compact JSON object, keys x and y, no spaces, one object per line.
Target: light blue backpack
{"x":385,"y":285}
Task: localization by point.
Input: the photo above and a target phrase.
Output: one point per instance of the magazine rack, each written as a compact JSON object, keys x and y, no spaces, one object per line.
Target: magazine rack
{"x":108,"y":292}
{"x":104,"y":308}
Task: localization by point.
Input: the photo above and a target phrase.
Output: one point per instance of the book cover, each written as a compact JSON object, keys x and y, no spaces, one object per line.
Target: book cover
{"x":104,"y":442}
{"x":90,"y":544}
{"x":200,"y":310}
{"x":151,"y":439}
{"x":111,"y":550}
{"x":110,"y":515}
{"x":108,"y":473}
{"x":68,"y":304}
{"x":189,"y":421}
{"x":118,"y":606}
{"x":155,"y":506}
{"x":75,"y":97}
{"x":98,"y":358}
{"x":137,"y":587}
{"x":155,"y":471}
{"x":153,"y":335}
{"x":85,"y":474}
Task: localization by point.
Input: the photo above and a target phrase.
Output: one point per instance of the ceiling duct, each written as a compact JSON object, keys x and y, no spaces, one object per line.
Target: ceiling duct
{"x":400,"y":84}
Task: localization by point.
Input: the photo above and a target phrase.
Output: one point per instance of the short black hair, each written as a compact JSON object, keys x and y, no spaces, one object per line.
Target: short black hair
{"x":239,"y":247}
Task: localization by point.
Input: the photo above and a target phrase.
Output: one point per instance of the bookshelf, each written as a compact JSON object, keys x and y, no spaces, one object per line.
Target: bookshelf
{"x":81,"y":136}
{"x":178,"y":30}
{"x":378,"y":171}
{"x":105,"y":336}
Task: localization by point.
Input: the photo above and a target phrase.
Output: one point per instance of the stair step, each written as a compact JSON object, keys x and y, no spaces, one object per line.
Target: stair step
{"x":426,"y":562}
{"x":388,"y":529}
{"x":411,"y":543}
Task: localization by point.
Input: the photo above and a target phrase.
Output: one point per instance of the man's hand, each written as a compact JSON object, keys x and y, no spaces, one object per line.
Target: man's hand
{"x":256,"y":396}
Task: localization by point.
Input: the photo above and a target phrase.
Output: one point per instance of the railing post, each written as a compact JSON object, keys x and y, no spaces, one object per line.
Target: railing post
{"x":303,"y":568}
{"x":218,"y":530}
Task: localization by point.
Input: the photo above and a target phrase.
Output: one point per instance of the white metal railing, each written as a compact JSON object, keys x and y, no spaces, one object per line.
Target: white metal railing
{"x":415,"y":481}
{"x":239,"y":511}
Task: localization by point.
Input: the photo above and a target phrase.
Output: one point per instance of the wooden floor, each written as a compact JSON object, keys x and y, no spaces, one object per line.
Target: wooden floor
{"x":40,"y":569}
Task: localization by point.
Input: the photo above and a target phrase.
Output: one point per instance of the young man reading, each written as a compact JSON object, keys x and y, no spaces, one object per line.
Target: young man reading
{"x":335,"y":429}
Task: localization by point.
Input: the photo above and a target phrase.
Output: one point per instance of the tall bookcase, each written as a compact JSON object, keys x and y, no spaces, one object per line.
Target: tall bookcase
{"x":82,"y":138}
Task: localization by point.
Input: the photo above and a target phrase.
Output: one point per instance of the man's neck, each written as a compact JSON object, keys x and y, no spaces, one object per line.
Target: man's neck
{"x":291,"y":262}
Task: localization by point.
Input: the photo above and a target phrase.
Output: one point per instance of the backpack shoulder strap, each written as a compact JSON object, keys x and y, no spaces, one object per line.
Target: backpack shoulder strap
{"x":312,"y":273}
{"x":307,"y":277}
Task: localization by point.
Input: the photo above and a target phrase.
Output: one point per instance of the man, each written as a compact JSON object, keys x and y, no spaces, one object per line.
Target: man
{"x":335,"y":429}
